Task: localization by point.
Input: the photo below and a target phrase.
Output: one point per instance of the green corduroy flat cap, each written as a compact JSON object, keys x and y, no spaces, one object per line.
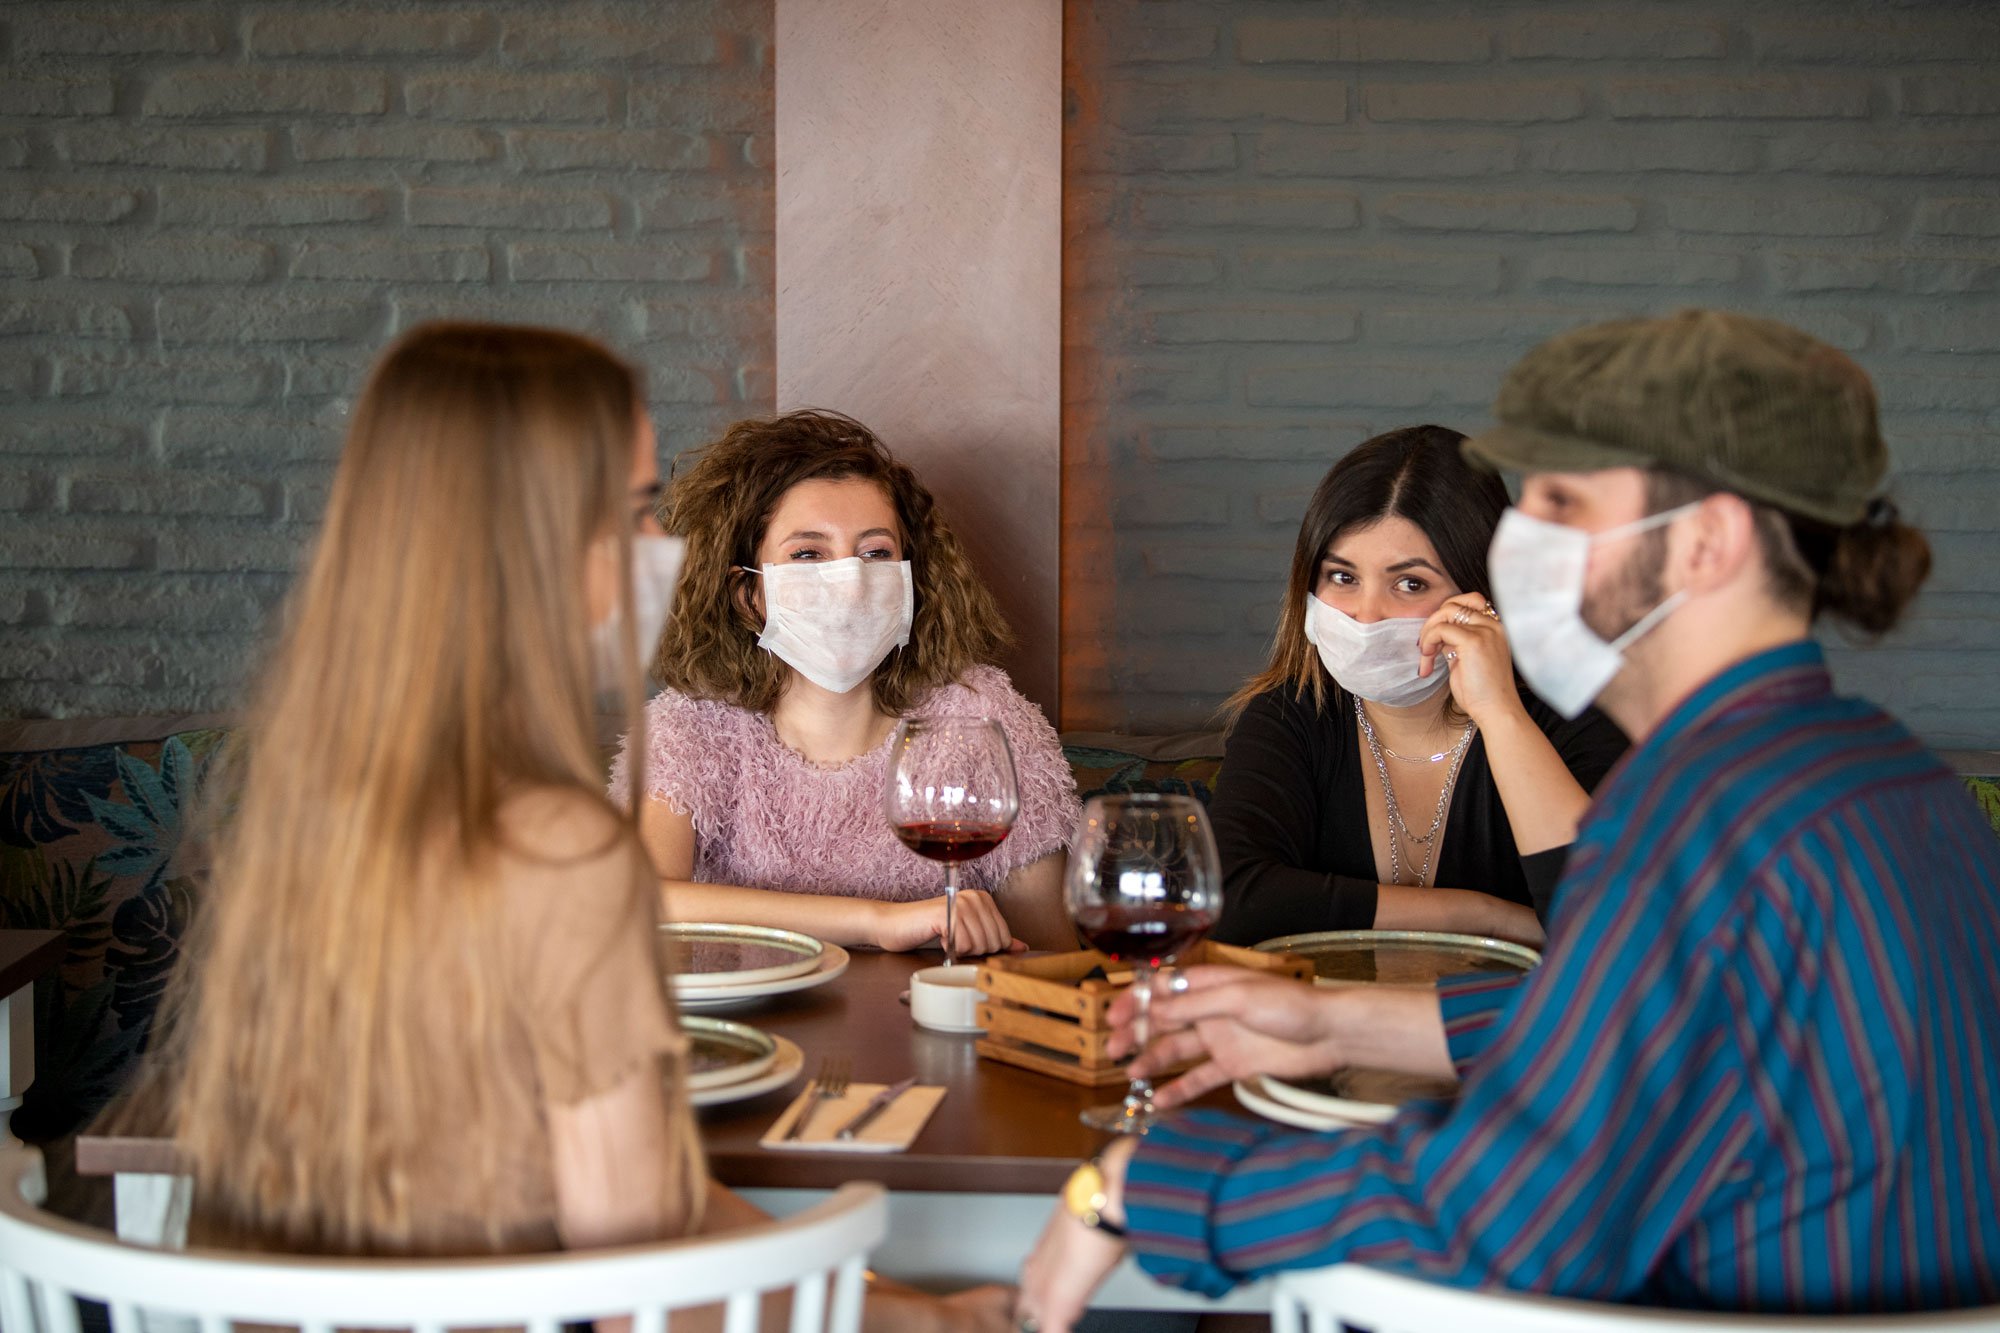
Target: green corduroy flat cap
{"x":1752,"y":405}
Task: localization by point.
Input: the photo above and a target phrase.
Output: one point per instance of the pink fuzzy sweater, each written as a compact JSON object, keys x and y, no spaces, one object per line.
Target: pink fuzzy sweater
{"x":766,"y":817}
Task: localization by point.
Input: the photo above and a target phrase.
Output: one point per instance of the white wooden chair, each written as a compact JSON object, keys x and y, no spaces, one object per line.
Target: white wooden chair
{"x":1323,"y":1299}
{"x":47,"y":1263}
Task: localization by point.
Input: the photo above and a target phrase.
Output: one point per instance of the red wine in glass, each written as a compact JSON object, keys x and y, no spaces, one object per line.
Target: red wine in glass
{"x":1144,"y":883}
{"x":1152,"y":935}
{"x":952,"y":796}
{"x":951,"y":840}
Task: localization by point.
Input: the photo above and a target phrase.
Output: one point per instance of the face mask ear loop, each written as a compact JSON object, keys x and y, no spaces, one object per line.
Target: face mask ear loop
{"x":1645,"y":524}
{"x":1647,"y":621}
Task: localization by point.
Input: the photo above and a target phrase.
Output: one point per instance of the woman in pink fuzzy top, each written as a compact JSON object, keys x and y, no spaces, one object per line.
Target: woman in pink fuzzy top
{"x":768,"y":750}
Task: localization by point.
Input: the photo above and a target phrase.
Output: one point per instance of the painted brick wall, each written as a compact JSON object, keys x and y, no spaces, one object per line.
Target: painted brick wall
{"x":1291,"y":225}
{"x":213,"y":214}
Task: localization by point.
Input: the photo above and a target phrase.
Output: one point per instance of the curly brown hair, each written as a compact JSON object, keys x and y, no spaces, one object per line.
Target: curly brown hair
{"x":721,"y":500}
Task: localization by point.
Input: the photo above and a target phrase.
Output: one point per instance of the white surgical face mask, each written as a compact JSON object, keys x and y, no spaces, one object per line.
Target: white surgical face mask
{"x":1376,"y":662}
{"x":656,"y":568}
{"x":1538,"y":571}
{"x":833,"y":621}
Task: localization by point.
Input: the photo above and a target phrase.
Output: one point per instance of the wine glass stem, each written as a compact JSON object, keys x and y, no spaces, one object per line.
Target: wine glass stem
{"x":1139,"y":1097}
{"x":950,"y":904}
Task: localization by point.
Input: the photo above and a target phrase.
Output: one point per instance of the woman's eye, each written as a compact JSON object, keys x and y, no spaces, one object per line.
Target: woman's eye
{"x":803,"y":553}
{"x":1412,"y":587}
{"x":1339,"y":578}
{"x":879,"y":553}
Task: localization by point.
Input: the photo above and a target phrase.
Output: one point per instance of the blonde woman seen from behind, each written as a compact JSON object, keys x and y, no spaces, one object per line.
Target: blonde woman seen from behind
{"x":421,"y":1012}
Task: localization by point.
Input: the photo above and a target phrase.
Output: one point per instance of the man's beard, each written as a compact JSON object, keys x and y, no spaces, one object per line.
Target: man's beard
{"x":1633,"y":592}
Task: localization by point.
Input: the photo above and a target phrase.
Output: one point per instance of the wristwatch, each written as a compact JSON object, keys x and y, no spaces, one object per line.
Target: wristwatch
{"x":1083,"y":1195}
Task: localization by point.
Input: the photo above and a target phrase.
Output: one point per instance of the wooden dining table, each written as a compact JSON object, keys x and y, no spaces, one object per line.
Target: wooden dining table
{"x":968,"y":1197}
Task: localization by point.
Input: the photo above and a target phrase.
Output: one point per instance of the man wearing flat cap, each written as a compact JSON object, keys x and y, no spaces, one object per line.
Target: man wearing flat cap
{"x":1759,"y":1066}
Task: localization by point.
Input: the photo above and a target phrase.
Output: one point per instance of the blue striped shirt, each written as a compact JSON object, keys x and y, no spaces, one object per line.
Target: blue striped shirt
{"x":1758,"y":1069}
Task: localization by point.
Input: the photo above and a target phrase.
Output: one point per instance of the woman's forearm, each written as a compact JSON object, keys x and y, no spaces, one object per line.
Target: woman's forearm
{"x":830,"y":917}
{"x":1544,"y":801}
{"x":1458,"y":911}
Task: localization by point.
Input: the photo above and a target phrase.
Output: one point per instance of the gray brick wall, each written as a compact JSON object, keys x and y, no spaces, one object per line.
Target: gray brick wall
{"x":212,"y":215}
{"x":1291,"y":225}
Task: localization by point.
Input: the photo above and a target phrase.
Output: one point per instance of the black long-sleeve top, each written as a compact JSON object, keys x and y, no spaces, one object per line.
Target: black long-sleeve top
{"x":1291,"y":817}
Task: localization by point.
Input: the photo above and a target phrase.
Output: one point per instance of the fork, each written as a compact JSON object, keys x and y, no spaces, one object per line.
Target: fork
{"x":829,"y":1083}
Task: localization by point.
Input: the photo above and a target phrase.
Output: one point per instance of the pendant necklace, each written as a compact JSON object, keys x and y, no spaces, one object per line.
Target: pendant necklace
{"x":1429,"y":839}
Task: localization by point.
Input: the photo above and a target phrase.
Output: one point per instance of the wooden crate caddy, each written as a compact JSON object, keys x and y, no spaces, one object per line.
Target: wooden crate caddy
{"x":1049,"y":1015}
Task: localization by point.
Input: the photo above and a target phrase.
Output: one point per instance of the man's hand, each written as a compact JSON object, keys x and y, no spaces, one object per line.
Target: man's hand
{"x":1238,"y":1023}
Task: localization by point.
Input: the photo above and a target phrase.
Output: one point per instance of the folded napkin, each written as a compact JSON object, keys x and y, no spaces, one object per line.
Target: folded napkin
{"x":892,"y":1131}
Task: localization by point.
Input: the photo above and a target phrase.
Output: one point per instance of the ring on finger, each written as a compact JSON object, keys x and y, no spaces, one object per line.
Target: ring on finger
{"x":1491,"y":612}
{"x":1451,"y":657}
{"x":1462,"y":616}
{"x":1027,"y":1323}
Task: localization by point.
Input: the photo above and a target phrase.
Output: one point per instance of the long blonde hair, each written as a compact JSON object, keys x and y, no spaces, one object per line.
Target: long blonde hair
{"x":436,"y":661}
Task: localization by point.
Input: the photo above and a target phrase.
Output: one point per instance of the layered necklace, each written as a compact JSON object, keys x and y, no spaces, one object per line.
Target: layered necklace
{"x":1398,"y":830}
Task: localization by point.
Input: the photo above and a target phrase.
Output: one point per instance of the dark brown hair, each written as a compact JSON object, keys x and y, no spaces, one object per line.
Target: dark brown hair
{"x":721,"y":500}
{"x":1865,"y":573}
{"x":1416,"y":473}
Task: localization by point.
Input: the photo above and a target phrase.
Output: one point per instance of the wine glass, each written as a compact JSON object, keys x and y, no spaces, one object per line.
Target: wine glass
{"x":1144,"y":883}
{"x":952,"y":795}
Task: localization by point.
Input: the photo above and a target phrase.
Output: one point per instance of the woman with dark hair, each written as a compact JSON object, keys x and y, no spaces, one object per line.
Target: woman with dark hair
{"x":1386,"y":769}
{"x":824,"y":599}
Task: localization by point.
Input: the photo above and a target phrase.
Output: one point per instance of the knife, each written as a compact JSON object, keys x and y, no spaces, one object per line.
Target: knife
{"x":875,"y":1107}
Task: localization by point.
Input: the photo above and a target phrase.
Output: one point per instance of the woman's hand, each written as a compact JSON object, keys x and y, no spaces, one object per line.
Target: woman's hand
{"x":978,"y":927}
{"x":1466,"y":632}
{"x":893,"y":1308}
{"x":1238,"y":1023}
{"x":1070,"y":1261}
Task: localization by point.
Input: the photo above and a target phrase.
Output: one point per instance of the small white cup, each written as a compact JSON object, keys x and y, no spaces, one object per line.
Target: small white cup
{"x":946,"y":999}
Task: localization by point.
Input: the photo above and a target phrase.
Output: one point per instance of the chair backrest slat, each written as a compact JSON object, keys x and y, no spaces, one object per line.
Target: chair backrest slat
{"x":740,"y":1315}
{"x":15,"y":1312}
{"x":59,"y":1312}
{"x":848,"y":1286}
{"x":46,"y":1262}
{"x":809,"y":1304}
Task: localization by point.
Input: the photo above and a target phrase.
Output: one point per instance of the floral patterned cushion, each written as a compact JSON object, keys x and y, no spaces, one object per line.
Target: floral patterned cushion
{"x":90,"y":844}
{"x":1102,"y":764}
{"x":1986,"y":791}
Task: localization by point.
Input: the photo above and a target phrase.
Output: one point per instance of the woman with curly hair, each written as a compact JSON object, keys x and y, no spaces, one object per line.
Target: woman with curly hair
{"x":824,"y":599}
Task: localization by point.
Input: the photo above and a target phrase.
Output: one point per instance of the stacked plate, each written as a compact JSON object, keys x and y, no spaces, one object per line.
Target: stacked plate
{"x":1382,"y":958}
{"x":1351,"y":1097}
{"x":728,"y":1062}
{"x":714,"y":965}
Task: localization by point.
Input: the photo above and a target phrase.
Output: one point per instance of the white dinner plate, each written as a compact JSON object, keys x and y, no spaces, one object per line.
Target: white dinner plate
{"x":721,"y":1052}
{"x":1374,"y":1095}
{"x":1256,"y":1096}
{"x":704,"y":954}
{"x":790,"y":1063}
{"x":832,"y":963}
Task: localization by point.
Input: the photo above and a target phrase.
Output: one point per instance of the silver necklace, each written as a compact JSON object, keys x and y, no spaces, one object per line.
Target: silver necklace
{"x":1437,"y":758}
{"x":1428,"y":840}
